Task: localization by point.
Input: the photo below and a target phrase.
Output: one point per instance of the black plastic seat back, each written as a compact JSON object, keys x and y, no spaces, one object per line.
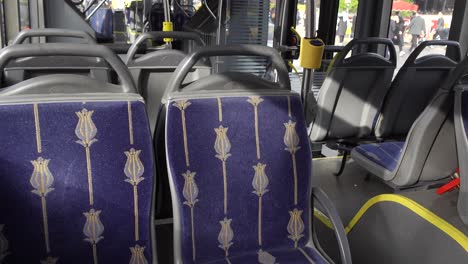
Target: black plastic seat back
{"x":27,"y":68}
{"x":353,"y":91}
{"x":152,"y":71}
{"x":429,"y":153}
{"x":413,"y":88}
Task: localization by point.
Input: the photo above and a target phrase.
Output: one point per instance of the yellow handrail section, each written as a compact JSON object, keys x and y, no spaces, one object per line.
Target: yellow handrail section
{"x":418,"y":209}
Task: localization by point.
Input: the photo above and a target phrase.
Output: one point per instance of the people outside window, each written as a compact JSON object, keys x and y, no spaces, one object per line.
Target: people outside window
{"x":341,"y":30}
{"x":417,"y":29}
{"x":398,"y":29}
{"x":441,"y":32}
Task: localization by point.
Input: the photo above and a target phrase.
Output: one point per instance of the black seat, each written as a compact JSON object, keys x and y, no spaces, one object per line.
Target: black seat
{"x":353,"y":92}
{"x":413,"y":88}
{"x":152,"y":71}
{"x":428,"y":154}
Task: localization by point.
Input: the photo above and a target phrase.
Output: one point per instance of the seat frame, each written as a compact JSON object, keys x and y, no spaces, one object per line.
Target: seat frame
{"x":462,"y":151}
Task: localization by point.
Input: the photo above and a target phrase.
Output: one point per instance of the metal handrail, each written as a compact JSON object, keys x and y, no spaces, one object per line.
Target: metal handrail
{"x":88,"y":17}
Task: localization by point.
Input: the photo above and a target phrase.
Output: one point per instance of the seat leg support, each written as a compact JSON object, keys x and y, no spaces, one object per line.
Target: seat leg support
{"x":343,"y":163}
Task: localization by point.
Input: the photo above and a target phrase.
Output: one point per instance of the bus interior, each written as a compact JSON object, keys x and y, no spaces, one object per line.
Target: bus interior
{"x":233,"y":131}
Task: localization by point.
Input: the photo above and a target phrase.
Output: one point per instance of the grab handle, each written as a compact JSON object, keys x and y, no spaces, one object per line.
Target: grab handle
{"x":356,"y":42}
{"x":157,"y":35}
{"x":449,"y":43}
{"x":53,"y":32}
{"x":241,"y":50}
{"x":69,"y":49}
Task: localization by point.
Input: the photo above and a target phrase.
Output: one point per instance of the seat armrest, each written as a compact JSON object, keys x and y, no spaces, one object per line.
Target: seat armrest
{"x":319,"y":195}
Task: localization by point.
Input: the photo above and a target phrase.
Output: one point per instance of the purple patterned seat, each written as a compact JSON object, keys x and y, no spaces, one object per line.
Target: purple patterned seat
{"x":240,"y":166}
{"x":76,"y":169}
{"x":386,"y":154}
{"x":240,"y":171}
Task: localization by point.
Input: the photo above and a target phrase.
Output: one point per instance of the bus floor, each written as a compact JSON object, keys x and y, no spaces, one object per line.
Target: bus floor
{"x":388,"y":227}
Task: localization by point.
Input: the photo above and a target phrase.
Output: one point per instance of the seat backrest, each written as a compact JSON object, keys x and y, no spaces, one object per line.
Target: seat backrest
{"x":26,"y":68}
{"x":77,"y":170}
{"x":413,"y":88}
{"x":239,"y":162}
{"x":152,"y":71}
{"x":352,"y":92}
{"x":430,"y":149}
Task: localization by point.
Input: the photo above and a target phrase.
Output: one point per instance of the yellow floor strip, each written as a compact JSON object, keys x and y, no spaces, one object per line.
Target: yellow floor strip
{"x":326,"y":158}
{"x":418,"y":209}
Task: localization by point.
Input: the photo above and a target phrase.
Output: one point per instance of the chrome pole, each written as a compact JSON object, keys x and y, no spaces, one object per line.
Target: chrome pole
{"x":218,"y":31}
{"x":308,"y":74}
{"x":94,"y":10}
{"x":167,"y":10}
{"x":88,"y":7}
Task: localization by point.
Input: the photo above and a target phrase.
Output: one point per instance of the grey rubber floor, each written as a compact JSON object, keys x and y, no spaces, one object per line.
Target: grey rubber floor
{"x":443,"y":206}
{"x":349,"y":191}
{"x":388,"y":232}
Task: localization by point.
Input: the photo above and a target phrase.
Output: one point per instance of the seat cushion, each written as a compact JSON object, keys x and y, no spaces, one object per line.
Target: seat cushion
{"x":385,"y":154}
{"x":283,"y":256}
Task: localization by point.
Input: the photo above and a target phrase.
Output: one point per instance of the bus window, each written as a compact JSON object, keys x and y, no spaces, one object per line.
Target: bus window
{"x":24,"y":14}
{"x":271,"y":22}
{"x":301,"y":16}
{"x":347,"y":11}
{"x":415,"y":21}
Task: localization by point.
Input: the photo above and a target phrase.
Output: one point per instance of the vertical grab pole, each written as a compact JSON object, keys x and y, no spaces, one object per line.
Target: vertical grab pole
{"x":167,"y":10}
{"x":218,"y":31}
{"x":88,"y":17}
{"x":310,"y":33}
{"x":167,"y":24}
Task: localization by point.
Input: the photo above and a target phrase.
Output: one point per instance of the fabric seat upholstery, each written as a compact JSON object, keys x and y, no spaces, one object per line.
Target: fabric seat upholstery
{"x":353,"y":92}
{"x":240,"y":171}
{"x":61,"y":162}
{"x":76,"y":172}
{"x":411,"y":91}
{"x":239,"y":165}
{"x":384,"y":154}
{"x":152,"y":72}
